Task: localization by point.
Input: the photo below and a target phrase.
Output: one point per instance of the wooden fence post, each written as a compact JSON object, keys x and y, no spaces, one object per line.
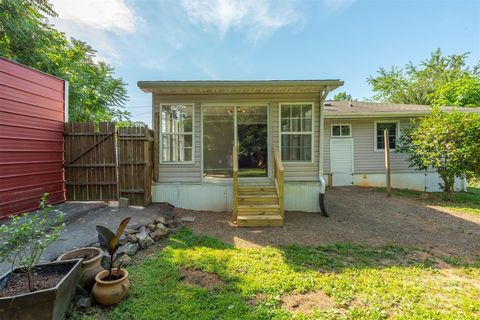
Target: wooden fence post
{"x":387,"y":161}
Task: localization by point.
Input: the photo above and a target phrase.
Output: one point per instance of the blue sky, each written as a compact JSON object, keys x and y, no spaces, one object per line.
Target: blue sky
{"x":266,"y":39}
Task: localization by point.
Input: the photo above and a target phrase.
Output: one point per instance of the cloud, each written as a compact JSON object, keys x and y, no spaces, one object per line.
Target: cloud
{"x":259,"y":18}
{"x":107,"y":15}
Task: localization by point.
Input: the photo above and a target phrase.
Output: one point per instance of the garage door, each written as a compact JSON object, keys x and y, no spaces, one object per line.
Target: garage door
{"x":341,"y":161}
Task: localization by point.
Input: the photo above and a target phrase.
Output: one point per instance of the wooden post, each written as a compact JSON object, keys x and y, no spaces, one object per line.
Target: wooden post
{"x":387,"y":161}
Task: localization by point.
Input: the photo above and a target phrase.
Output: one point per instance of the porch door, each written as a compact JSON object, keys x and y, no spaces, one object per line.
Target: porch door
{"x":341,"y":161}
{"x":252,"y":141}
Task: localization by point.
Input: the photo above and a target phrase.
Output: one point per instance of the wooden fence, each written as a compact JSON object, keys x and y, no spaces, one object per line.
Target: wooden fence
{"x":103,"y":162}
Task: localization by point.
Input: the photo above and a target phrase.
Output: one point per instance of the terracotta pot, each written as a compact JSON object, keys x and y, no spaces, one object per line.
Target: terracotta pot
{"x":90,"y":267}
{"x":108,"y":293}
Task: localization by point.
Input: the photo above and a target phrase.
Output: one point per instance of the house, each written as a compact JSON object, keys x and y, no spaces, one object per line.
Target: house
{"x":275,"y":128}
{"x":354,"y":151}
{"x":258,"y":148}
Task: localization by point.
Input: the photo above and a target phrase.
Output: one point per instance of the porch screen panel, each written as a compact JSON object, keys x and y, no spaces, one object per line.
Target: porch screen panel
{"x":218,"y":140}
{"x":177,"y":133}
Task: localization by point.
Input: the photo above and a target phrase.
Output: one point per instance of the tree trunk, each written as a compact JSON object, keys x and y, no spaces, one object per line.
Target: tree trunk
{"x":448,"y":183}
{"x":31,"y":281}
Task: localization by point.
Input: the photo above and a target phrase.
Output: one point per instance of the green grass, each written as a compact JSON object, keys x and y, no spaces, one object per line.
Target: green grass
{"x":464,"y":202}
{"x":363,"y":282}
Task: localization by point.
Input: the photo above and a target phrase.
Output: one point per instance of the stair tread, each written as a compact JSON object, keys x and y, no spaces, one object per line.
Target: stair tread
{"x":260,"y":217}
{"x":257,"y":195}
{"x":249,"y":206}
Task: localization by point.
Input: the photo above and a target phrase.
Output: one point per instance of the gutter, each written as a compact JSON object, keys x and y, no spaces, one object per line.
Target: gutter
{"x":376,"y":115}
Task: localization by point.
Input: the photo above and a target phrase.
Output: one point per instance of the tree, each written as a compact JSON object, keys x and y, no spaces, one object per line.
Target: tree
{"x":463,"y":92}
{"x":445,"y":141}
{"x":418,"y":84}
{"x":95,"y":94}
{"x":342,"y":96}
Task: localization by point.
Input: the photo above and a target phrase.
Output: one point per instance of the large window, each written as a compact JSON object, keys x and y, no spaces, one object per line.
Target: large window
{"x":296,"y":132}
{"x":392,"y":128}
{"x":176,"y":133}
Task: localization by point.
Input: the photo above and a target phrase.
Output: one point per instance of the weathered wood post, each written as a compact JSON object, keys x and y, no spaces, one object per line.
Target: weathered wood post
{"x":387,"y":161}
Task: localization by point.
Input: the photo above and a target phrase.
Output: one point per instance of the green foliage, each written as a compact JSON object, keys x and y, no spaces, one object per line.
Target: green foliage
{"x":419,"y":84}
{"x":110,"y":241}
{"x":342,"y":96}
{"x":463,"y":92}
{"x":445,"y":141}
{"x":95,"y":94}
{"x":25,"y":237}
{"x":363,"y":282}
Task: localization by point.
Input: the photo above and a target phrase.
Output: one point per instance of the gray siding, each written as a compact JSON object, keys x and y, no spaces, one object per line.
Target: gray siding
{"x":366,"y":159}
{"x":191,"y":173}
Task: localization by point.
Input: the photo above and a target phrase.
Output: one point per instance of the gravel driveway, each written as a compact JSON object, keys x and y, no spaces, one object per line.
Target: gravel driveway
{"x":361,"y":216}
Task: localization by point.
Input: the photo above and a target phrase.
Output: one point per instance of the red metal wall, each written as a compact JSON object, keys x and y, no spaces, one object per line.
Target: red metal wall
{"x":31,"y":138}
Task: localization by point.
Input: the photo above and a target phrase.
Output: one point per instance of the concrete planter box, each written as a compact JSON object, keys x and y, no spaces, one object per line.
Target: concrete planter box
{"x":45,"y":304}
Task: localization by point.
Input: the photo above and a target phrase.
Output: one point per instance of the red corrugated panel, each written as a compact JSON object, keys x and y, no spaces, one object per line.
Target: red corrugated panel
{"x":31,"y":138}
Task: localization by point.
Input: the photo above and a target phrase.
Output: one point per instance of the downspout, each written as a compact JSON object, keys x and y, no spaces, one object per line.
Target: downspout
{"x":323,"y":185}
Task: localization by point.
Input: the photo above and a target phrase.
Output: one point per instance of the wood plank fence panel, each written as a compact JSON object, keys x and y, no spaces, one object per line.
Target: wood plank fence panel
{"x":104,"y":163}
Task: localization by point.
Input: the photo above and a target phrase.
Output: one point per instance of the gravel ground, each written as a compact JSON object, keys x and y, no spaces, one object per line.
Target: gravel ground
{"x":357,"y":215}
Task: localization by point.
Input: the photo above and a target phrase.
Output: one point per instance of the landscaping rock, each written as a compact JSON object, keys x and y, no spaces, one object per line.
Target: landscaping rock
{"x":187,"y":219}
{"x":124,"y":261}
{"x":83,"y":302}
{"x":161,"y":220}
{"x":151,"y":227}
{"x":132,"y":238}
{"x":129,"y":231}
{"x":174,"y":224}
{"x":158,"y":234}
{"x":144,"y":239}
{"x":161,"y":226}
{"x":129,"y":248}
{"x":122,"y":240}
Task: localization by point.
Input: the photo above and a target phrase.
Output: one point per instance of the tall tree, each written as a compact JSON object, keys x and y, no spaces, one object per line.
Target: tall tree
{"x":95,"y":94}
{"x":342,"y":96}
{"x":418,"y":84}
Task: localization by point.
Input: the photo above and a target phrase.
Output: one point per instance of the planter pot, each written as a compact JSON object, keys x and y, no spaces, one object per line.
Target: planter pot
{"x":90,"y":267}
{"x":46,"y":304}
{"x":108,"y":293}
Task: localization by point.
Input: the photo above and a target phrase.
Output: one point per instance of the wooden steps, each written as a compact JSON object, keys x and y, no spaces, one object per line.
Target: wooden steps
{"x":258,"y":206}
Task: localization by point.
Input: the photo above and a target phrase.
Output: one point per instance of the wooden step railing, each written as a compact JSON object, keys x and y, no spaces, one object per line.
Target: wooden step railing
{"x":278,"y":174}
{"x":235,"y":183}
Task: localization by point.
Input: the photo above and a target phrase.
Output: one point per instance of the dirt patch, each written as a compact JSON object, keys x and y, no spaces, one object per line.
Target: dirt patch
{"x":18,"y":283}
{"x":306,"y":303}
{"x":199,"y":278}
{"x":357,"y":215}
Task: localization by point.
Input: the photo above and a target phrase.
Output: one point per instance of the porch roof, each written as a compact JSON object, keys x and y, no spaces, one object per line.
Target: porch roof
{"x":242,"y":86}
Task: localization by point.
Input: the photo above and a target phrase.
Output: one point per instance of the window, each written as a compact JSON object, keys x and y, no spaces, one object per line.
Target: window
{"x":176,"y":133}
{"x":392,"y":128}
{"x":341,"y":130}
{"x":296,"y":132}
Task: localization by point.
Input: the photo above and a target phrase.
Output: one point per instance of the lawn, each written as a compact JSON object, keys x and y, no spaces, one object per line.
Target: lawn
{"x":198,"y":277}
{"x":463,"y":202}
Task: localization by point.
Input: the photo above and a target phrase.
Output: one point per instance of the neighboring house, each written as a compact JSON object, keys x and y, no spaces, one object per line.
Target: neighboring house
{"x":354,"y":151}
{"x":197,"y":125}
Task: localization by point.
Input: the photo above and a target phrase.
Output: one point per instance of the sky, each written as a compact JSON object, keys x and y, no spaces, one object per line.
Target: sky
{"x":266,"y":39}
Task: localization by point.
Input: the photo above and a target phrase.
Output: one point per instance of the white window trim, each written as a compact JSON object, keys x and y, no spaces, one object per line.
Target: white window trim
{"x":161,"y":134}
{"x":375,"y":133}
{"x":312,"y":133}
{"x":340,"y":124}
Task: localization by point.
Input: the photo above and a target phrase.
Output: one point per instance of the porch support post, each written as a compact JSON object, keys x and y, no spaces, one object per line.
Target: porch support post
{"x":322,"y":97}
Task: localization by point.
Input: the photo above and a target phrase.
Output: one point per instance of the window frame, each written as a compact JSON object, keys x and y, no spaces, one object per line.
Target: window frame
{"x":161,"y":134}
{"x":311,"y":133}
{"x":340,"y":124}
{"x":397,"y":122}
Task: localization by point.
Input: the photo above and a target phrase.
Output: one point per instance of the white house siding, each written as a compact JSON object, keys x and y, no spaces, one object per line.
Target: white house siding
{"x":369,"y":165}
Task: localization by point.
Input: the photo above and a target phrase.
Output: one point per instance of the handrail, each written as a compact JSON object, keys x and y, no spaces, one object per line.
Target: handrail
{"x":235,"y":183}
{"x":278,"y":172}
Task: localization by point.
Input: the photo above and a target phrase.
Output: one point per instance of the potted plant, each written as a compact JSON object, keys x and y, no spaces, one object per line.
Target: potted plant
{"x":111,"y":285}
{"x":91,"y":263}
{"x":32,"y":290}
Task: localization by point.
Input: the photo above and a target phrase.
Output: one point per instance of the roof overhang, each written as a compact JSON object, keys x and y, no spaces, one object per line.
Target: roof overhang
{"x":226,"y":87}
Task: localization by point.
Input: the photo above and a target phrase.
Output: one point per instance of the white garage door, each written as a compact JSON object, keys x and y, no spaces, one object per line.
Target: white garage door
{"x":341,"y":161}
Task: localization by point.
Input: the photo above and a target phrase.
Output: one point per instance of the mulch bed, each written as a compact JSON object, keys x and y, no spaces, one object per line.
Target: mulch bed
{"x":18,"y":283}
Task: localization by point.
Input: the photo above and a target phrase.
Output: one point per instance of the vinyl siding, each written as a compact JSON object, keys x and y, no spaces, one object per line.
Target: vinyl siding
{"x":191,"y":173}
{"x":366,"y":159}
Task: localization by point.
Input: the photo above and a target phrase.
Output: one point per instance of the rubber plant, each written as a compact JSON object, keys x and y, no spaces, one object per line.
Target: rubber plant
{"x":110,"y":241}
